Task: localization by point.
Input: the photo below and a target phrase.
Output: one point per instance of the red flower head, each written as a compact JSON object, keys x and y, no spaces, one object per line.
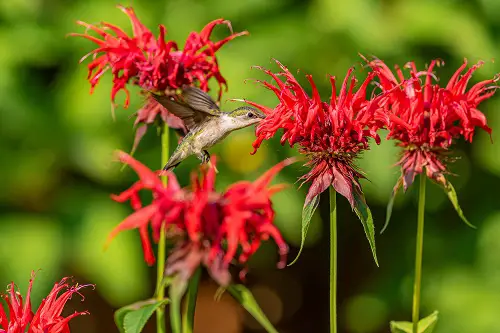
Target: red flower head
{"x":163,"y":200}
{"x":152,"y":63}
{"x":424,"y":118}
{"x":208,"y":227}
{"x":47,"y":318}
{"x":330,"y":134}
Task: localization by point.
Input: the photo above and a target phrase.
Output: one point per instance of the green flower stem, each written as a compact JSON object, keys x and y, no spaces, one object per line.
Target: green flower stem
{"x":160,"y":289}
{"x":190,"y":302}
{"x":333,"y":261}
{"x":418,"y":255}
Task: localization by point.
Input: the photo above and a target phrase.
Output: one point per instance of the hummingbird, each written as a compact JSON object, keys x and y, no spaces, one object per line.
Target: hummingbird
{"x":207,"y":125}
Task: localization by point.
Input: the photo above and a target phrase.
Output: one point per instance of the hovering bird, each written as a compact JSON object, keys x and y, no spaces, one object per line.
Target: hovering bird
{"x":206,"y":123}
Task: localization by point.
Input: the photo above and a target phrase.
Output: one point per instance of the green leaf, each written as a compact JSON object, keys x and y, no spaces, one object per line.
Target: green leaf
{"x":452,"y":195}
{"x":425,"y":325}
{"x":307,"y":213}
{"x":133,"y":317}
{"x":136,"y":320}
{"x":120,"y":317}
{"x":365,"y":216}
{"x":390,"y":204}
{"x":190,"y":305}
{"x":246,"y":299}
{"x":176,"y":291}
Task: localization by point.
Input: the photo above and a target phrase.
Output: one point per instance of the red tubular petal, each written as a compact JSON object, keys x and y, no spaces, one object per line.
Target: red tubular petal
{"x":276,"y":188}
{"x":27,"y":313}
{"x":264,"y":180}
{"x":319,"y":184}
{"x":138,"y":28}
{"x":139,"y":133}
{"x":148,"y":177}
{"x":98,"y":30}
{"x":98,"y":41}
{"x":119,"y":32}
{"x":333,"y":97}
{"x":454,"y":78}
{"x":343,"y":89}
{"x":209,"y":181}
{"x":428,"y":83}
{"x":232,"y":238}
{"x":149,"y":256}
{"x":343,"y":184}
{"x":264,"y":109}
{"x":217,"y":45}
{"x":207,"y":30}
{"x":137,"y":219}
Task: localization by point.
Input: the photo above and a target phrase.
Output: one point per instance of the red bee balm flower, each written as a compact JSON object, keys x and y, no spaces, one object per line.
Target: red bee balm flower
{"x":47,"y":318}
{"x":425,"y":118}
{"x":330,"y":134}
{"x":152,"y":63}
{"x":201,"y":220}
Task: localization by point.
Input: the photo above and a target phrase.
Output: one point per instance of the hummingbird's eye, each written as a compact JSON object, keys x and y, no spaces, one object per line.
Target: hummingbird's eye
{"x":250,"y":115}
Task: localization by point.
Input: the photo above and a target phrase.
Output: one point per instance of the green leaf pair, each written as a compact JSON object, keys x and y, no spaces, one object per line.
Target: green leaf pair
{"x":362,"y":211}
{"x":425,"y":325}
{"x":132,"y":318}
{"x":448,"y":189}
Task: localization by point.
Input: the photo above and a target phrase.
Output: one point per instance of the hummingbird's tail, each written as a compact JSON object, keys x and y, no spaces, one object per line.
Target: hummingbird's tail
{"x":175,"y":159}
{"x":170,"y":166}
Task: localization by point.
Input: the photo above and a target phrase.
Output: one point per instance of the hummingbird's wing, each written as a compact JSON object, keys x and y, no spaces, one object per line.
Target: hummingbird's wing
{"x":199,"y":100}
{"x":197,"y":106}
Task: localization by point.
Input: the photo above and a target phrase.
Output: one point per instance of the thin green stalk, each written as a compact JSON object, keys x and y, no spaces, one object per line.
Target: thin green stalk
{"x":418,"y":254}
{"x":333,"y":261}
{"x":190,"y":303}
{"x":160,"y":289}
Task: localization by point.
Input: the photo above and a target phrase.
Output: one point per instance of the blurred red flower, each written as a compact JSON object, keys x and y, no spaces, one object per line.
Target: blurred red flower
{"x":425,"y":118}
{"x":47,"y":318}
{"x":154,"y":64}
{"x":330,"y":134}
{"x":208,"y":227}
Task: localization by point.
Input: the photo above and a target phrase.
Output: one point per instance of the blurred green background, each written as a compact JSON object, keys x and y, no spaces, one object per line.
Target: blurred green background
{"x":57,"y":171}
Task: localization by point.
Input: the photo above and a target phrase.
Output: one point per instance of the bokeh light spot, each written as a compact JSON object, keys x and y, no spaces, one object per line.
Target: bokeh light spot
{"x":222,"y":316}
{"x":236,"y":152}
{"x":270,"y":303}
{"x":365,"y":313}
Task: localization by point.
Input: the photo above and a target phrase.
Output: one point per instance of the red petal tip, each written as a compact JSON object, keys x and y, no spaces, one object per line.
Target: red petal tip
{"x":122,"y":156}
{"x":290,"y":160}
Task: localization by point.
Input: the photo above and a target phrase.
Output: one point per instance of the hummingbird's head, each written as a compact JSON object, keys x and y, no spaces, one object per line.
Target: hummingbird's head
{"x":246,"y":115}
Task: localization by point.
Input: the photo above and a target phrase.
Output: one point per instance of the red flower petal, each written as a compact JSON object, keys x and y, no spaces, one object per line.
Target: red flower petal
{"x":136,"y":220}
{"x":148,"y":178}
